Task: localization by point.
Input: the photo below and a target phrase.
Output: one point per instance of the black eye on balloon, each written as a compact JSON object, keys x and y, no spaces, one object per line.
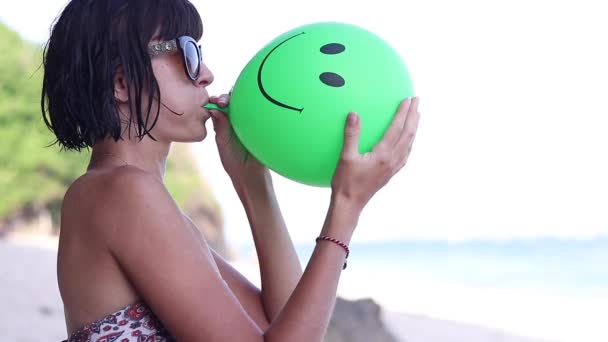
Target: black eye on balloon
{"x":331,"y":78}
{"x":332,"y":48}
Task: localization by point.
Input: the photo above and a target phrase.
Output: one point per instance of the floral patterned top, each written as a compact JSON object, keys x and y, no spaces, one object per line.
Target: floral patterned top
{"x":135,"y":322}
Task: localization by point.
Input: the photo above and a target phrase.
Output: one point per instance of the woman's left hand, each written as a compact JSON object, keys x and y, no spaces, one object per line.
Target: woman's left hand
{"x":241,"y":166}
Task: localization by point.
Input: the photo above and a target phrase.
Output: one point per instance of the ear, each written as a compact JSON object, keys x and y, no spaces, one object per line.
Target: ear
{"x":121,"y":93}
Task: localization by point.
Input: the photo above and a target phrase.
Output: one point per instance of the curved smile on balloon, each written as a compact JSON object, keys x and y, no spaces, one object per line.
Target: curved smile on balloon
{"x":261,"y":86}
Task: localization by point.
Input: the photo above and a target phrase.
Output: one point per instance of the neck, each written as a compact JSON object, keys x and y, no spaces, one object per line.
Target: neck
{"x":147,"y":155}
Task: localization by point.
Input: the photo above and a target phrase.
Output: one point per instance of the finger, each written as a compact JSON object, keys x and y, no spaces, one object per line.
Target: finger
{"x":393,"y":132}
{"x":408,"y":134}
{"x":218,"y":113}
{"x":352,"y":131}
{"x":223,"y":100}
{"x":221,"y":126}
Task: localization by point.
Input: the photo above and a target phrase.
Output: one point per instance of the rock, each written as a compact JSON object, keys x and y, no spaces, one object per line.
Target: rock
{"x":357,"y":321}
{"x":28,"y":220}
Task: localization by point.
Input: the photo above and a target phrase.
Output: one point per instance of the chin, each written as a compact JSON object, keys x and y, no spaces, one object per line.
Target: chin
{"x":192,"y":137}
{"x":201,"y":135}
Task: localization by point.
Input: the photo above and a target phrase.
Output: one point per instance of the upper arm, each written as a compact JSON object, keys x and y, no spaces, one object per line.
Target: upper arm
{"x":169,"y":267}
{"x":248,"y":294}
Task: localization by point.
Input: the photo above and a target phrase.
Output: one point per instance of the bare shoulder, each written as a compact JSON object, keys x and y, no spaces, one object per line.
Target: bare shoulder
{"x":114,"y":185}
{"x":107,"y":199}
{"x":101,"y":213}
{"x":162,"y":257}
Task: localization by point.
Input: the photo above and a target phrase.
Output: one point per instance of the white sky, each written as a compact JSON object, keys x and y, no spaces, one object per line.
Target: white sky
{"x":513,"y":140}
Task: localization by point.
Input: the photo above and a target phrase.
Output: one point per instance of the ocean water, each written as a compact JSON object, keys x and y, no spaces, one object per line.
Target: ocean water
{"x":556,"y":265}
{"x":551,"y":289}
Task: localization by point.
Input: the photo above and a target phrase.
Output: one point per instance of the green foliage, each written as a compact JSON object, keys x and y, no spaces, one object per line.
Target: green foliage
{"x":34,"y":174}
{"x":181,"y":178}
{"x":31,"y":174}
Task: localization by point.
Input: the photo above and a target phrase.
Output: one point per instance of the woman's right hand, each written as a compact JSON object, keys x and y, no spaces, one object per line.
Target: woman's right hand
{"x":359,"y":176}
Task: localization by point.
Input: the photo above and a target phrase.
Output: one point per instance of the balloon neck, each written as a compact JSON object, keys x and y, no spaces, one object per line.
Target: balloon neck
{"x":216,"y":107}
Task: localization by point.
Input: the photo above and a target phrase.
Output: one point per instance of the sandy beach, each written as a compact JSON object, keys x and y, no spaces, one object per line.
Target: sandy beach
{"x":32,"y":309}
{"x":420,"y":328}
{"x":29,"y":289}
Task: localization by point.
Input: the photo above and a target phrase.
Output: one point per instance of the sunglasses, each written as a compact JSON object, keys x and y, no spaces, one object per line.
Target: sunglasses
{"x":191,"y":52}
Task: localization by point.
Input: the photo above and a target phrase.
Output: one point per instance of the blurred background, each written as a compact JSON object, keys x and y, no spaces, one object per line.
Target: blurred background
{"x":496,"y":230}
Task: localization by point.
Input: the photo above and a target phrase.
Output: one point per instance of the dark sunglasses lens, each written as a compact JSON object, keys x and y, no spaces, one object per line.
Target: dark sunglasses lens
{"x":192,"y":59}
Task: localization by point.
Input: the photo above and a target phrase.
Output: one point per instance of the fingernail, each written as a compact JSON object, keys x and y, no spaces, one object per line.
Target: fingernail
{"x":353,"y":118}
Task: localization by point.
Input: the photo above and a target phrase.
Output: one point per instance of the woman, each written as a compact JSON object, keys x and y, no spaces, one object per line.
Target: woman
{"x":126,"y":79}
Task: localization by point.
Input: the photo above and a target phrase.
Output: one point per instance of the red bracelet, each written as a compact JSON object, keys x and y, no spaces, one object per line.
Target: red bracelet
{"x":336,"y":241}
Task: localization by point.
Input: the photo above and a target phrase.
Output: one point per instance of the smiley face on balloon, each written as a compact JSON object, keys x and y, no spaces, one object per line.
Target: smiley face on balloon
{"x":301,"y":47}
{"x":289,"y":104}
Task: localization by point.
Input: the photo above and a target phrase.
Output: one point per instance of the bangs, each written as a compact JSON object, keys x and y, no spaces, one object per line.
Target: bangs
{"x":177,"y":18}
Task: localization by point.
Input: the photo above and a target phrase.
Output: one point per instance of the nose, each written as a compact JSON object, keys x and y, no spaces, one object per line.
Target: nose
{"x":206,"y":76}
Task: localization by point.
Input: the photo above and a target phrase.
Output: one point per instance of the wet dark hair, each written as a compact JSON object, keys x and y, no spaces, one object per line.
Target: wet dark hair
{"x":88,"y":42}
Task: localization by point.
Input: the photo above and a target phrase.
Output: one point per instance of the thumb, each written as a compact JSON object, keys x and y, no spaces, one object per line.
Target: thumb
{"x":351,"y":135}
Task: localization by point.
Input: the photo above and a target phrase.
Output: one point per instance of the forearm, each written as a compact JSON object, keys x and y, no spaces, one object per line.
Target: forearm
{"x":307,"y":313}
{"x":280,"y":269}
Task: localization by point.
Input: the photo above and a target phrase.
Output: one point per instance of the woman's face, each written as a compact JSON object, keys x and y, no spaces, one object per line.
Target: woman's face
{"x":182,"y":117}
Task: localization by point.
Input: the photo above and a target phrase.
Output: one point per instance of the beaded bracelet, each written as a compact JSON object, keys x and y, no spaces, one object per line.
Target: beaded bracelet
{"x":338,"y":242}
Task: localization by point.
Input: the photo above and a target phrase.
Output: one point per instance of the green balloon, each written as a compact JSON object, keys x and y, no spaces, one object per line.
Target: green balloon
{"x":289,"y":104}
